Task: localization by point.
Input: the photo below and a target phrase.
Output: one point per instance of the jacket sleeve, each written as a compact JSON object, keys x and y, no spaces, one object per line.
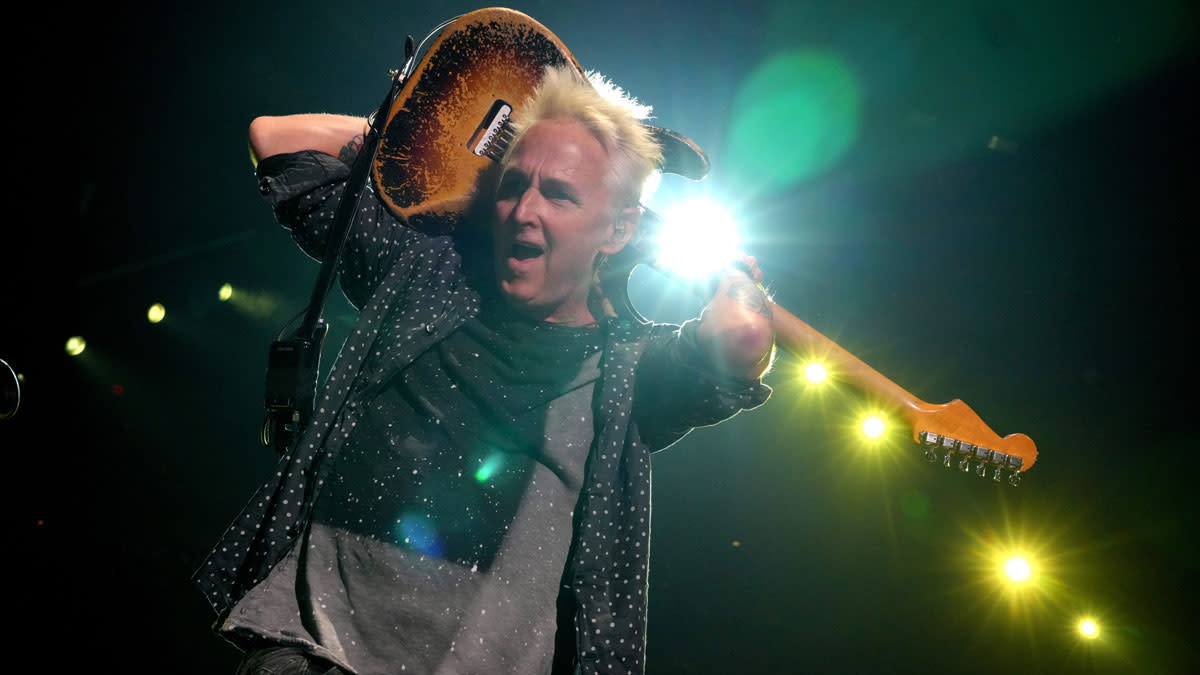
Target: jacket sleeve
{"x":304,"y":189}
{"x":675,"y":392}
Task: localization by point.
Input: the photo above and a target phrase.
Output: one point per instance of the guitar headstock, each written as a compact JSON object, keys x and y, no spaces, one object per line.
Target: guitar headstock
{"x":953,"y":435}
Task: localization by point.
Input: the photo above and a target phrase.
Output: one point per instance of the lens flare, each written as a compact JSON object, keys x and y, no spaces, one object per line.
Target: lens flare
{"x":489,"y":467}
{"x":420,"y":533}
{"x":796,"y":115}
{"x":225,"y":293}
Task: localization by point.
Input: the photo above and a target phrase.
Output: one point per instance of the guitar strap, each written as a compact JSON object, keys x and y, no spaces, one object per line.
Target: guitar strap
{"x":293,"y":364}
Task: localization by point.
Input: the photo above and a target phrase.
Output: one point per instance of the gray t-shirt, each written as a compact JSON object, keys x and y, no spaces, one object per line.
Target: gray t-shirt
{"x":438,"y":544}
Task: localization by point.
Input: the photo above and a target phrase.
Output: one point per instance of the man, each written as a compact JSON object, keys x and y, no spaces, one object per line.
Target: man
{"x":472,"y":494}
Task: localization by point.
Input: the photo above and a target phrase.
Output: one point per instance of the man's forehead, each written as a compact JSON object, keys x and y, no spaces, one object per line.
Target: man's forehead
{"x":562,"y":139}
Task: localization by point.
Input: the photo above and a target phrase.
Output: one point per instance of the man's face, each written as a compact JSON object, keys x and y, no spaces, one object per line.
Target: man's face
{"x":553,"y":217}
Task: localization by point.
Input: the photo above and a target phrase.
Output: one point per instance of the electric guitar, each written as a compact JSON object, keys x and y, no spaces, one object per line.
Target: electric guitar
{"x":449,"y":125}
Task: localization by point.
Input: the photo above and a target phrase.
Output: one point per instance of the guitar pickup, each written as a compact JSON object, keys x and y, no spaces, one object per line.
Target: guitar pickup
{"x":492,"y":136}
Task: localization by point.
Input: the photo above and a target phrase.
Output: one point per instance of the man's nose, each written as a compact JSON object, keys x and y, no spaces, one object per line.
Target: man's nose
{"x":526,"y":210}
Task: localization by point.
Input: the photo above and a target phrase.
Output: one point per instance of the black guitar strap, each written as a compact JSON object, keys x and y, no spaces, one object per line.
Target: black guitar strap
{"x":293,"y":364}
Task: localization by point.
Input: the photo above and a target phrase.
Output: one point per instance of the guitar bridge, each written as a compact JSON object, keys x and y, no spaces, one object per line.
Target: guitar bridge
{"x":494,"y":133}
{"x":968,"y":458}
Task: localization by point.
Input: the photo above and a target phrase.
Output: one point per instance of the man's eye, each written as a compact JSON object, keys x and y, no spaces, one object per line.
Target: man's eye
{"x":558,"y":195}
{"x":510,"y":188}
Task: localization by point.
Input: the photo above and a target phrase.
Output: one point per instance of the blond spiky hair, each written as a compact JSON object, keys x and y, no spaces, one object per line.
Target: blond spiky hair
{"x":611,"y":115}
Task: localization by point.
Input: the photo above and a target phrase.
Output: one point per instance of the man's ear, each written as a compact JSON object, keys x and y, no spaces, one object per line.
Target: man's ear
{"x":624,"y":227}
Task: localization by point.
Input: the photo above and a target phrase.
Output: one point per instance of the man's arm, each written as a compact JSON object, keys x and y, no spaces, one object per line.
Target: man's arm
{"x":735,"y":333}
{"x":708,"y":370}
{"x":340,"y":136}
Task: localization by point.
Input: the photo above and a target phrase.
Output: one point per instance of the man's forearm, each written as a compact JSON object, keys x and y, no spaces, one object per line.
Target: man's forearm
{"x":337,"y":135}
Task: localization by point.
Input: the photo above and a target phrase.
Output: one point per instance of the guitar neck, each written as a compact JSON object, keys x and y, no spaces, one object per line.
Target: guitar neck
{"x":801,"y":339}
{"x":951,"y":432}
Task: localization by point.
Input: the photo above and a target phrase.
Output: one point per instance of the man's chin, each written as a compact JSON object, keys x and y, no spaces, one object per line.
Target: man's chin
{"x":520,"y":300}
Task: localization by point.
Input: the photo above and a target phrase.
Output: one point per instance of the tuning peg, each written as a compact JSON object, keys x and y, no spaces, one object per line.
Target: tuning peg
{"x":931,"y":455}
{"x":1014,"y":479}
{"x":981,"y":470}
{"x":964,"y":464}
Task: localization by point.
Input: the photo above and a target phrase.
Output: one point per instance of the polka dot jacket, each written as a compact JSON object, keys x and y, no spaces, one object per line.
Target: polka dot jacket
{"x":412,"y":291}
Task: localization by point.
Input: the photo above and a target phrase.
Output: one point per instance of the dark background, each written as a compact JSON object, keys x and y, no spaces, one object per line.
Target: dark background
{"x":1045,"y":278}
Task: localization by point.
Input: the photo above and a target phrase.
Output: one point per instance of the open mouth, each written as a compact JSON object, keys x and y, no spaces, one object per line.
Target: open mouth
{"x":524,"y":251}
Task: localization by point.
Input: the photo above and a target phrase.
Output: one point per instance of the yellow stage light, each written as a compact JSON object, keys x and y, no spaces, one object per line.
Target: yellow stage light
{"x":156,"y":312}
{"x":225,"y":293}
{"x":1018,"y":569}
{"x":815,"y":372}
{"x":1089,"y":629}
{"x":76,"y":345}
{"x":873,"y":426}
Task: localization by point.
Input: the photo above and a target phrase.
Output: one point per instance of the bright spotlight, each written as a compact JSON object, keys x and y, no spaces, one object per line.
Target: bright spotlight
{"x":76,"y":345}
{"x":156,"y":312}
{"x":696,"y":240}
{"x":1018,"y":569}
{"x":873,"y":427}
{"x":225,"y":293}
{"x":1089,"y":629}
{"x":815,"y":372}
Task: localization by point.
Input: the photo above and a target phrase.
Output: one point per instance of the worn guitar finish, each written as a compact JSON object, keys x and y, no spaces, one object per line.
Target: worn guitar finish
{"x":424,"y":170}
{"x":450,"y":123}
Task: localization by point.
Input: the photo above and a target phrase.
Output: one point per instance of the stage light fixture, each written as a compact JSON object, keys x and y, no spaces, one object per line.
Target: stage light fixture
{"x":1089,"y":629}
{"x":225,"y":292}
